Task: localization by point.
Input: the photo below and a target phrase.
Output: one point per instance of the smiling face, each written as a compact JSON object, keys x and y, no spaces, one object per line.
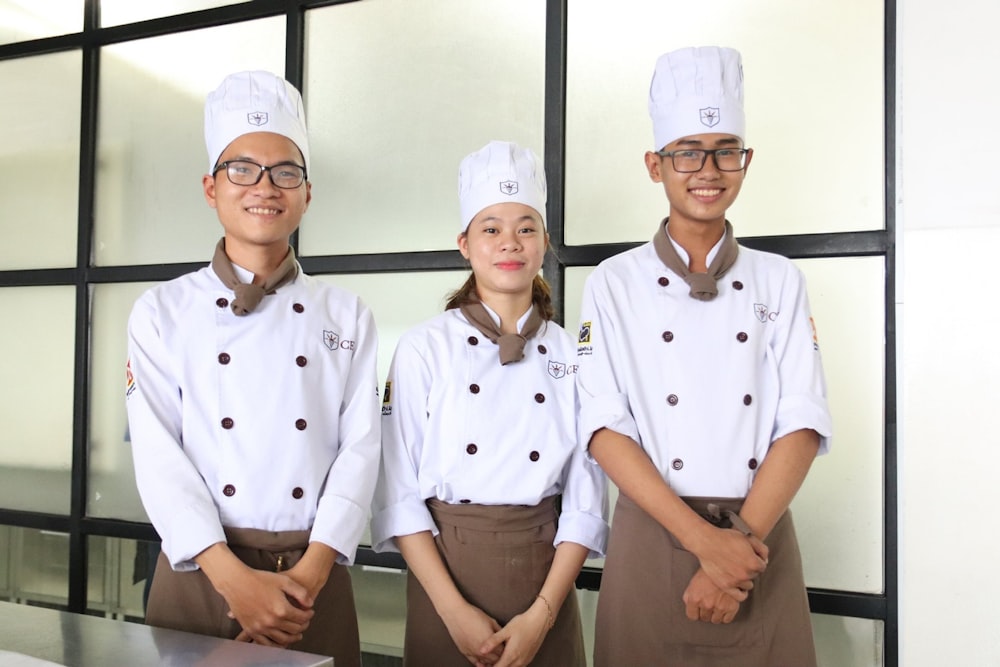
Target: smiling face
{"x":257,"y":218}
{"x":701,"y":197}
{"x":505,"y":244}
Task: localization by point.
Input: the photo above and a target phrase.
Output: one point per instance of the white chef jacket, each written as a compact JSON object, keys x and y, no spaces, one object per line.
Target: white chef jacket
{"x":459,"y":427}
{"x":265,"y":421}
{"x":704,"y":387}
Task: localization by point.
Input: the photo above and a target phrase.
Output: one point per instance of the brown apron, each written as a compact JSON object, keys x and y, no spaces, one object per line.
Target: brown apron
{"x":641,"y":619}
{"x":498,"y":557}
{"x":187,"y":600}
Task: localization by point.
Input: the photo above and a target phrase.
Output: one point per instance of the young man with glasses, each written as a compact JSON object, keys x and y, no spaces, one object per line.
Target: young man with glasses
{"x":253,"y":403}
{"x":703,"y":398}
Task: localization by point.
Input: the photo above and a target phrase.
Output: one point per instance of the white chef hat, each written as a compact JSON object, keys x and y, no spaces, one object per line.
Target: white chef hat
{"x":500,"y":171}
{"x":248,"y":102}
{"x":697,"y":90}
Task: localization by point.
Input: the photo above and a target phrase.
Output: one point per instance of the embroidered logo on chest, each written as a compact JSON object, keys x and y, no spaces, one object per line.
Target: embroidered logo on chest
{"x":333,"y":341}
{"x":559,"y":369}
{"x":762,"y":313}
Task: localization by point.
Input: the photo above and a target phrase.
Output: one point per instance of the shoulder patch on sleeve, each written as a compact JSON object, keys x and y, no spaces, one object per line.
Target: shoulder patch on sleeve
{"x":583,"y":347}
{"x":387,"y":399}
{"x":129,"y":379}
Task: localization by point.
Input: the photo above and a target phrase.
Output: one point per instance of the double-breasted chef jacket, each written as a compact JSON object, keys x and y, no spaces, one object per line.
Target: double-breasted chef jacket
{"x":704,"y":387}
{"x":459,"y":427}
{"x":266,"y":421}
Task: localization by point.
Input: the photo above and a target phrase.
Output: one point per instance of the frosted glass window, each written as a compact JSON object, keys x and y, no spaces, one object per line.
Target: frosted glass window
{"x":841,"y":640}
{"x":118,"y":573}
{"x":36,"y":566}
{"x":399,"y":301}
{"x":116,"y":12}
{"x":21,"y":20}
{"x":36,"y":398}
{"x":804,"y":90}
{"x":39,"y":160}
{"x":839,"y":510}
{"x":151,"y":144}
{"x":397,"y":93}
{"x":380,"y":597}
{"x":111,"y":484}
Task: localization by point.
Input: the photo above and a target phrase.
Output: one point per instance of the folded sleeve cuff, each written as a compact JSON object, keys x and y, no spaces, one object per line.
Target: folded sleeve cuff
{"x":181,"y":543}
{"x":403,"y":518}
{"x":583,"y":529}
{"x":608,"y":411}
{"x":804,"y":411}
{"x":339,"y":524}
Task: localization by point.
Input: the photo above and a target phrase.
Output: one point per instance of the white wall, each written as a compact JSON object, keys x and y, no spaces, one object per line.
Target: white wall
{"x":949,"y":319}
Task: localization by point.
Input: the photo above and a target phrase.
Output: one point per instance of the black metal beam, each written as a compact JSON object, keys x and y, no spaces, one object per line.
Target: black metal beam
{"x":78,"y":553}
{"x":37,"y":277}
{"x":890,"y":524}
{"x":392,"y":262}
{"x":555,"y":149}
{"x":56,"y":523}
{"x":795,"y":246}
{"x":126,"y":530}
{"x":167,"y":25}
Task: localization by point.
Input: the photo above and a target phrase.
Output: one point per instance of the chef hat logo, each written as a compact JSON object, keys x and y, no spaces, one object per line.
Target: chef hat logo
{"x":256,"y":101}
{"x":709,"y":116}
{"x":694,"y":89}
{"x":500,"y":171}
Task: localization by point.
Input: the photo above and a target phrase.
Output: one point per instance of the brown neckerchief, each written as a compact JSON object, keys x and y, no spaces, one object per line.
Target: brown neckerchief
{"x":511,"y":345}
{"x":248,"y":295}
{"x":702,"y":285}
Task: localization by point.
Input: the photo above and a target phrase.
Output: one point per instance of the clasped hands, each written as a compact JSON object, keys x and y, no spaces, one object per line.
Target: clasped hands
{"x":485,"y":644}
{"x":272,"y":608}
{"x":729,"y":562}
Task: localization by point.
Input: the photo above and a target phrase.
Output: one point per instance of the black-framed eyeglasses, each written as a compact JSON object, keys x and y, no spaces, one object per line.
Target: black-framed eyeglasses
{"x":284,"y":175}
{"x":691,"y":160}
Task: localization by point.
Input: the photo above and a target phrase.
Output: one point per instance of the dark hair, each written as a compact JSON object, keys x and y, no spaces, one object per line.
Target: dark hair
{"x":541,"y":295}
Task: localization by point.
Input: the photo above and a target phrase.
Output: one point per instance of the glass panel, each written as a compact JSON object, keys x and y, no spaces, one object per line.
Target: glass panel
{"x":398,"y":92}
{"x":151,"y":149}
{"x":588,"y":617}
{"x":795,"y":65}
{"x":111,"y":486}
{"x":39,"y":160}
{"x":37,"y":566}
{"x":840,"y":641}
{"x":839,"y":508}
{"x":21,"y":20}
{"x":380,"y":596}
{"x":118,"y":573}
{"x":116,"y":12}
{"x":36,"y":409}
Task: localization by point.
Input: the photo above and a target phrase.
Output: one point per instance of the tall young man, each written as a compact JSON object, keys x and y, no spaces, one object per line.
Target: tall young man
{"x":703,"y":398}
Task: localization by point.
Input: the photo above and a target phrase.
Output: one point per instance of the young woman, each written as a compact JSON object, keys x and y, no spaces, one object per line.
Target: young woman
{"x":483,"y":487}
